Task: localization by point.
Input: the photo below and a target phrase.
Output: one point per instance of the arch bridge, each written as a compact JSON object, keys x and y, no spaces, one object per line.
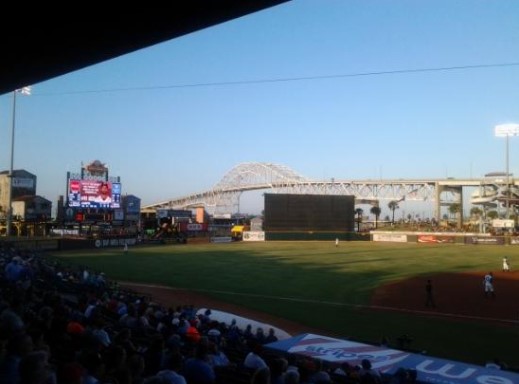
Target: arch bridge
{"x":224,"y":197}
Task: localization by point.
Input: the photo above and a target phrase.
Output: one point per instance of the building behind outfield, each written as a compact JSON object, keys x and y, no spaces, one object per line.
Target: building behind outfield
{"x":311,"y":217}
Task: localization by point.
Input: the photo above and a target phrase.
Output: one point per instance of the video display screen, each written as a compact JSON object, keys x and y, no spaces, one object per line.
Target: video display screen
{"x":94,"y":194}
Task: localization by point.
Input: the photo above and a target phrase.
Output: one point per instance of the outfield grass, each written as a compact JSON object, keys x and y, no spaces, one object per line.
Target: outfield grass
{"x":327,"y":282}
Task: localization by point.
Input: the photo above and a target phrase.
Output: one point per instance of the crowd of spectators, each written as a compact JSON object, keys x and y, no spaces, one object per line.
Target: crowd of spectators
{"x":64,"y":324}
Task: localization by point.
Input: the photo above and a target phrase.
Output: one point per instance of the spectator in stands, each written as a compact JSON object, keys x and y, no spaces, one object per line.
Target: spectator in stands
{"x":124,"y":339}
{"x":247,"y":333}
{"x":154,"y":355}
{"x":137,"y":366}
{"x":278,"y":369}
{"x":401,"y":376}
{"x":99,"y":333}
{"x":233,"y":336}
{"x":292,"y":377}
{"x":260,"y":336}
{"x":116,"y":359}
{"x":34,"y":369}
{"x":71,"y":373}
{"x":38,"y":339}
{"x":216,"y":357}
{"x":205,"y":318}
{"x":197,"y":369}
{"x":91,"y":308}
{"x":170,"y":374}
{"x":94,"y":366}
{"x":344,"y":369}
{"x":192,"y":334}
{"x":86,"y":275}
{"x":292,"y":363}
{"x":261,"y":376}
{"x":14,"y":269}
{"x":320,"y":376}
{"x":130,"y":319}
{"x":369,"y":375}
{"x":18,"y":346}
{"x":11,"y":317}
{"x":253,"y":360}
{"x":271,"y":337}
{"x":182,"y":326}
{"x":214,"y":334}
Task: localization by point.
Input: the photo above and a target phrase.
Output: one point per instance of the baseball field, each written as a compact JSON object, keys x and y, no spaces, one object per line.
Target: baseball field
{"x":363,"y":291}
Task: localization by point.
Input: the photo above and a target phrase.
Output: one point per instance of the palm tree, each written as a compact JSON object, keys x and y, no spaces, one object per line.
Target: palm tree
{"x":492,"y":215}
{"x":454,"y":209}
{"x":393,"y":205}
{"x":475,"y":211}
{"x":376,"y":211}
{"x":359,"y":213}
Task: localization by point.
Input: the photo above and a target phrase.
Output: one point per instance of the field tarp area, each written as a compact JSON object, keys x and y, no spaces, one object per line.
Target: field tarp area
{"x":429,"y":368}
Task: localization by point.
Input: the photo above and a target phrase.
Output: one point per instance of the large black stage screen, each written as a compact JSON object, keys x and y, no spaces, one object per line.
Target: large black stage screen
{"x":288,"y":212}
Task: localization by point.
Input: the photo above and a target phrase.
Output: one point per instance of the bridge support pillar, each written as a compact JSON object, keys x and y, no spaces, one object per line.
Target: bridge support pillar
{"x":457,"y":191}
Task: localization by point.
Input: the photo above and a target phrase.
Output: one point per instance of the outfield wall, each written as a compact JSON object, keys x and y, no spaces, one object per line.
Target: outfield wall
{"x":315,"y":236}
{"x":67,"y":243}
{"x":443,"y":237}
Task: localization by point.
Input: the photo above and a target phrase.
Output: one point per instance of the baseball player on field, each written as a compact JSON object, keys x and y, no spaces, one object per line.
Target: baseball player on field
{"x":506,"y":265}
{"x":488,"y":284}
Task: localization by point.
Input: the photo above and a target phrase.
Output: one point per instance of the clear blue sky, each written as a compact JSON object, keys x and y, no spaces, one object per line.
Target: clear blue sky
{"x":181,"y":139}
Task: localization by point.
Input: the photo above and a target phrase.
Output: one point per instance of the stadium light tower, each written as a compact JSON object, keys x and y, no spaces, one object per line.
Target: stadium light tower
{"x":507,"y":130}
{"x":9,"y":217}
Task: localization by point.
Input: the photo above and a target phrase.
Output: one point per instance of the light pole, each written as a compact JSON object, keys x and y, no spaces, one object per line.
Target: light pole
{"x":507,"y":130}
{"x":9,"y":217}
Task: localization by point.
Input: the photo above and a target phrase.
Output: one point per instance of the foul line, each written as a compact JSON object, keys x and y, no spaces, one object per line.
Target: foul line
{"x":311,"y":301}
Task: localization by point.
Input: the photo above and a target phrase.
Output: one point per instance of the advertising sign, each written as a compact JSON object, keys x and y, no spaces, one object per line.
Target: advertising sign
{"x":193,"y":227}
{"x":253,"y":236}
{"x":490,"y":240}
{"x":435,"y":239}
{"x":390,"y":237}
{"x":500,"y":223}
{"x":429,"y":369}
{"x":94,"y":194}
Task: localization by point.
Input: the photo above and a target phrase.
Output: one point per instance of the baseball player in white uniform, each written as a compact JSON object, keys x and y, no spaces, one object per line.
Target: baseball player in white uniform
{"x":506,"y":266}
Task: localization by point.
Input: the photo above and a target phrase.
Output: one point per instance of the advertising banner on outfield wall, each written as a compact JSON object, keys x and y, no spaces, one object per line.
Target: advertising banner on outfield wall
{"x":429,"y":369}
{"x":399,"y":238}
{"x":435,"y":239}
{"x":514,"y":240}
{"x":253,"y":236}
{"x":490,"y":240}
{"x":221,"y":239}
{"x":104,"y":243}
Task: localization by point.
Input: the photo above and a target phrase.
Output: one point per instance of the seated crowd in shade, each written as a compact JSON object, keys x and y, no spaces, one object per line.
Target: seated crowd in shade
{"x":64,"y":324}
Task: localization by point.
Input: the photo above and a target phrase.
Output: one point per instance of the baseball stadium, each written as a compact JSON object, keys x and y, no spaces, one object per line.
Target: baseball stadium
{"x":189,"y":291}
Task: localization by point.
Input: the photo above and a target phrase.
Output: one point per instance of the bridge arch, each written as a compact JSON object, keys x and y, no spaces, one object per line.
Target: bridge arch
{"x":254,"y":173}
{"x":224,"y":197}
